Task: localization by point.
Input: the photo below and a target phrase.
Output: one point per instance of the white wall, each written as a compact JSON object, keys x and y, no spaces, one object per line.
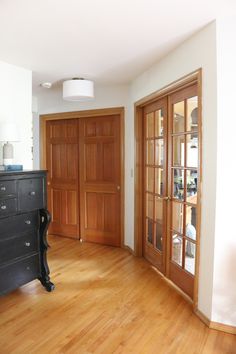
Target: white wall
{"x":50,"y":101}
{"x":224,"y":291}
{"x":15,"y":107}
{"x":198,"y":51}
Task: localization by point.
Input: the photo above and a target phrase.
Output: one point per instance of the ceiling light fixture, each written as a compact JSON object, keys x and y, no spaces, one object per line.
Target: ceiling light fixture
{"x":78,"y":89}
{"x":47,"y":85}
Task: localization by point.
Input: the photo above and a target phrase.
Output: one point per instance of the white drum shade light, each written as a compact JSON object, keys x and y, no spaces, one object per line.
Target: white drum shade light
{"x":8,"y":133}
{"x":78,"y":90}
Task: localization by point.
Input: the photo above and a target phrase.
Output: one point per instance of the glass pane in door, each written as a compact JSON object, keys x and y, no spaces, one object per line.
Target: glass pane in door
{"x":150,"y":152}
{"x":159,"y":236}
{"x":159,"y":152}
{"x":149,"y":230}
{"x":150,"y":125}
{"x":192,"y":150}
{"x":178,"y":150}
{"x":159,"y":181}
{"x":159,"y":123}
{"x":150,"y":179}
{"x":192,"y":113}
{"x":149,"y":206}
{"x":190,"y":255}
{"x":191,"y":221}
{"x":158,"y":209}
{"x":178,"y":184}
{"x":177,"y":249}
{"x":178,"y":117}
{"x":192,"y":183}
{"x":159,"y":222}
{"x":177,"y":217}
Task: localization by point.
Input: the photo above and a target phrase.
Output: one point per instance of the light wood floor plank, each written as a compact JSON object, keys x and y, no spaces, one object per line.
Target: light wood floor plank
{"x":105,"y":301}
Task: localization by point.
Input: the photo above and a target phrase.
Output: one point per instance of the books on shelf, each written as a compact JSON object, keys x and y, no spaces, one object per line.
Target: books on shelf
{"x":11,"y":167}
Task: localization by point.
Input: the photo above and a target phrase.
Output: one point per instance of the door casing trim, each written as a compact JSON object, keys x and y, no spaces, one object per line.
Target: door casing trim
{"x":43,"y":118}
{"x":194,"y":77}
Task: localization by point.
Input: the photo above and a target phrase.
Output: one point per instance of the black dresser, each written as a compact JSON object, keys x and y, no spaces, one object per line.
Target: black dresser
{"x":24,"y":221}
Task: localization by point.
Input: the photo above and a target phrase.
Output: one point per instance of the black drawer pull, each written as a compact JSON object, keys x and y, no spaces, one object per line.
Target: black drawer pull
{"x":32,"y":193}
{"x":27,"y":244}
{"x":3,"y":189}
{"x":27,"y":222}
{"x":3,"y":207}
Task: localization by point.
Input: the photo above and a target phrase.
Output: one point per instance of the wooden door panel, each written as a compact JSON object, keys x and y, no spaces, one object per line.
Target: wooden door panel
{"x":62,"y":129}
{"x":100,"y":179}
{"x":62,"y":164}
{"x":110,"y":212}
{"x":71,"y":207}
{"x":94,"y":203}
{"x":63,"y":208}
{"x":91,"y":162}
{"x":101,"y":221}
{"x":100,"y":128}
{"x":108,"y":168}
{"x":104,"y":211}
{"x":99,"y":161}
{"x":55,"y":207}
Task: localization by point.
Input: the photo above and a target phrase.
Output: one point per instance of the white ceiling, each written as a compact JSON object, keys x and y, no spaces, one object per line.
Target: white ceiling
{"x":109,"y":41}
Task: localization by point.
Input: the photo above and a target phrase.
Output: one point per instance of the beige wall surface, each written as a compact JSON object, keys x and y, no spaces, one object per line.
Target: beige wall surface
{"x":16,"y":107}
{"x":224,"y":289}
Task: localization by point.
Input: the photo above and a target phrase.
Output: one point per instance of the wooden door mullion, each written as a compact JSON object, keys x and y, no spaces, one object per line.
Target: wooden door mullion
{"x":185,"y":185}
{"x":154,"y":186}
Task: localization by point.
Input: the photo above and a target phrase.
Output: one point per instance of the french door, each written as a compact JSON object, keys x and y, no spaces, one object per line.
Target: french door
{"x":171,"y":175}
{"x":155,"y":157}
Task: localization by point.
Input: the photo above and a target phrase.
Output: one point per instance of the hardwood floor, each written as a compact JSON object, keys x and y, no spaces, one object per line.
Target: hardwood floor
{"x":105,"y":301}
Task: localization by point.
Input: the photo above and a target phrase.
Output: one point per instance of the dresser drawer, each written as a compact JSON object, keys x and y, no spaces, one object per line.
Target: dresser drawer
{"x":8,"y":206}
{"x":7,"y":188}
{"x":18,"y":273}
{"x":19,"y":246}
{"x":31,"y":194}
{"x":18,"y":223}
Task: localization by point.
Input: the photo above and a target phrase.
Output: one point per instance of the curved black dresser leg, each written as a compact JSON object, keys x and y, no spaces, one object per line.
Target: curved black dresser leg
{"x":44,"y":278}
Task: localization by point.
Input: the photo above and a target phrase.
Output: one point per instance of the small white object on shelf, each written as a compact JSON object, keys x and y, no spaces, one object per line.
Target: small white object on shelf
{"x":8,"y":134}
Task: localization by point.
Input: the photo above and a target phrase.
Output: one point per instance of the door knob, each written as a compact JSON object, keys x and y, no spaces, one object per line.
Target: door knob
{"x":49,"y":183}
{"x":118,"y":188}
{"x":167,"y":198}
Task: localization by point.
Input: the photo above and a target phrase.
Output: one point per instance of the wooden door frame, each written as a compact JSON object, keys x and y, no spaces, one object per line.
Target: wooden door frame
{"x":44,"y":118}
{"x":194,"y":77}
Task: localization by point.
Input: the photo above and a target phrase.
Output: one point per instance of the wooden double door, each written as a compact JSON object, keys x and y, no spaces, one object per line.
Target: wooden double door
{"x":83,"y":160}
{"x":171,"y":175}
